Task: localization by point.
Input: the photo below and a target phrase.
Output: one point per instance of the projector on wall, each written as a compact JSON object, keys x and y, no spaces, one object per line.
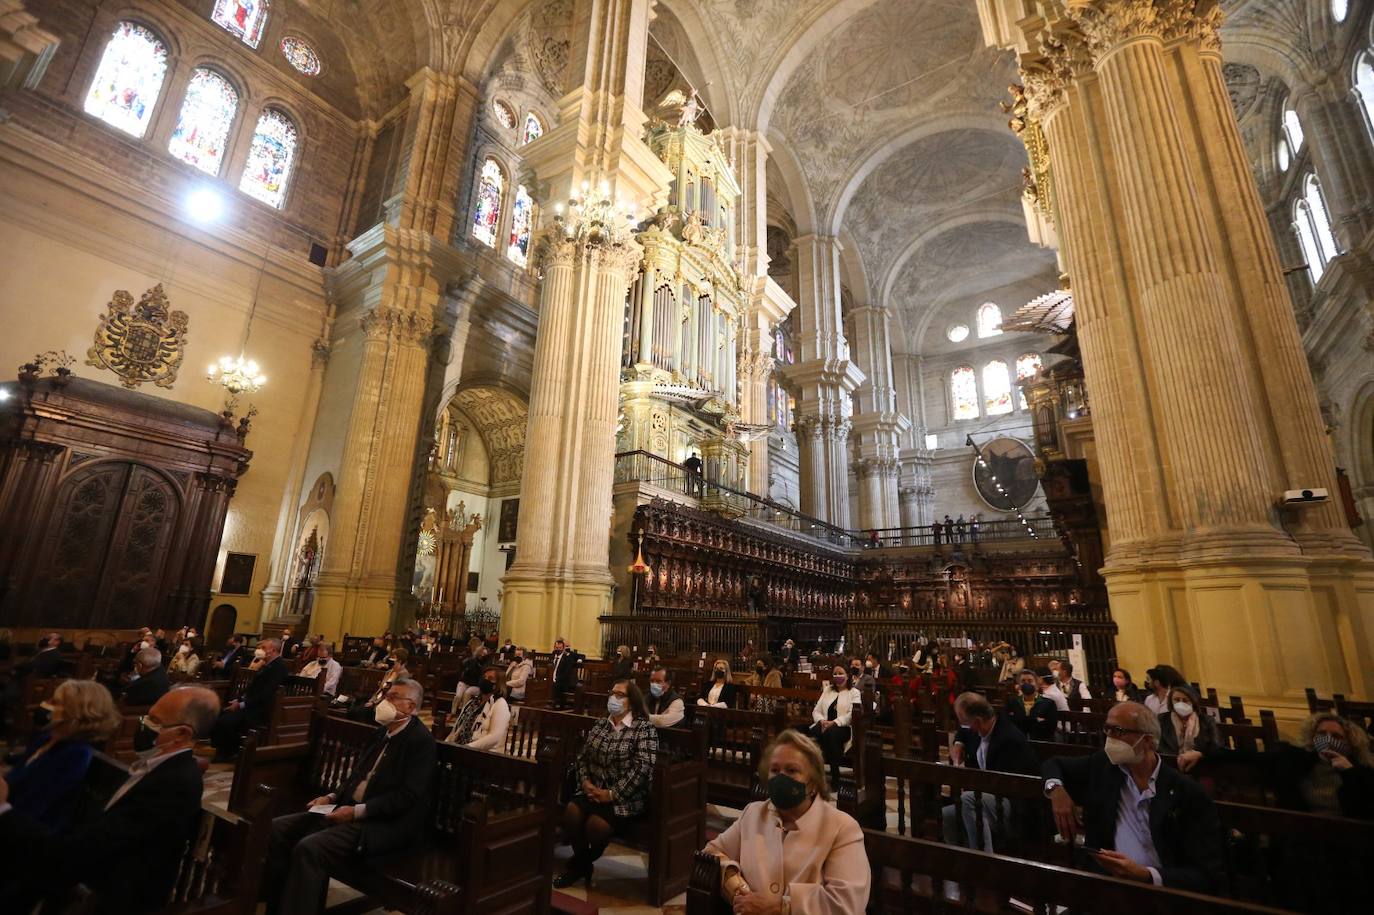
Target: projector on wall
{"x":1304,"y":496}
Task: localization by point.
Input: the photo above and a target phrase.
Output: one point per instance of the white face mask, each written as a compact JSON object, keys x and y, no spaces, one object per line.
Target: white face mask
{"x":1183,"y":709}
{"x":260,"y":654}
{"x":146,"y":644}
{"x":615,"y":705}
{"x":386,"y":712}
{"x":1122,"y":753}
{"x":184,"y":649}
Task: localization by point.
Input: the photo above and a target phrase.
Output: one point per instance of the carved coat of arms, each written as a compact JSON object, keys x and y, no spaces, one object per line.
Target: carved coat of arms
{"x":143,"y":342}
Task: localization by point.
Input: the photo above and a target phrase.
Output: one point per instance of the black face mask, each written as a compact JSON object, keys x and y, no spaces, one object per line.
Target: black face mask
{"x":1028,"y":689}
{"x":785,"y":791}
{"x":720,"y":675}
{"x":145,"y":738}
{"x":485,"y":687}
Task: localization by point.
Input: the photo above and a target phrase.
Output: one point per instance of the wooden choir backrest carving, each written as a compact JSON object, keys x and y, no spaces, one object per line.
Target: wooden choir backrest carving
{"x":112,"y":504}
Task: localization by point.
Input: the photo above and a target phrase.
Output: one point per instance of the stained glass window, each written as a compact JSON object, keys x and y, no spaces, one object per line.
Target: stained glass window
{"x":487,"y":217}
{"x":989,"y":320}
{"x":244,"y":18}
{"x":1364,"y":86}
{"x":270,"y":158}
{"x":957,"y":334}
{"x":1027,"y":364}
{"x":505,"y":114}
{"x":521,"y":217}
{"x":996,"y":388}
{"x":202,"y":128}
{"x":129,"y":78}
{"x":534,"y":128}
{"x":963,"y":389}
{"x":300,"y":55}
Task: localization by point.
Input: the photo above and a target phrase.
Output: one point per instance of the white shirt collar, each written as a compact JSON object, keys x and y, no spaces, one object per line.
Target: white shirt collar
{"x":628,"y":720}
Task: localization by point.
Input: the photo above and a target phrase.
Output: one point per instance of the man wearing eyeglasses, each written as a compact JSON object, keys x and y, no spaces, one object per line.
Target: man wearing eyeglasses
{"x":380,"y":807}
{"x":1142,"y":820}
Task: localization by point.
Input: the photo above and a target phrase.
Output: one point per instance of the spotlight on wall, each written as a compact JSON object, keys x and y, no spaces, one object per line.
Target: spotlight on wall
{"x":204,"y":204}
{"x":4,"y":394}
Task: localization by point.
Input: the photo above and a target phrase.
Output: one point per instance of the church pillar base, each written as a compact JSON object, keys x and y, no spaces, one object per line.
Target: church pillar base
{"x":1261,"y":629}
{"x":537,"y":608}
{"x":352,"y":609}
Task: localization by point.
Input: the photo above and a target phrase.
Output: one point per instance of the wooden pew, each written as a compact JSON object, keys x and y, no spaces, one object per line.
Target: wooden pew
{"x":913,"y":736}
{"x":292,"y":709}
{"x":735,"y":741}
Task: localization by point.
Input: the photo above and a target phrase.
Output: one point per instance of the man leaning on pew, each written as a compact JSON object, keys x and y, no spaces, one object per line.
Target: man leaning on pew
{"x":988,"y":741}
{"x":1143,"y":820}
{"x":381,"y":807}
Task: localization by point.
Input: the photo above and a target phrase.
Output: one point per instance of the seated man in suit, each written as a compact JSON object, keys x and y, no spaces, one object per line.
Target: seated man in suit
{"x":128,"y":852}
{"x":149,"y":682}
{"x":254,"y":708}
{"x":1144,"y":820}
{"x":987,"y":741}
{"x":380,"y":807}
{"x":1033,"y":713}
{"x":233,"y":655}
{"x":46,"y":661}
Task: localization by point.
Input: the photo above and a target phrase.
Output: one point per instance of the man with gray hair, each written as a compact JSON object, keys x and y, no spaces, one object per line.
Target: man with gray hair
{"x":380,"y":807}
{"x":149,"y":682}
{"x":254,"y":707}
{"x":1142,"y":820}
{"x":988,"y":741}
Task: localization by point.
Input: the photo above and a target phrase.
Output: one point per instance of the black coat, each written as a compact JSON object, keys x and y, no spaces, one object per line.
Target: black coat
{"x":1009,"y":749}
{"x":238,"y":657}
{"x":622,"y":669}
{"x":399,"y":794}
{"x":1184,"y":825}
{"x":262,"y":689}
{"x":1207,"y":735}
{"x":128,"y":855}
{"x":564,"y":671}
{"x":147,"y":689}
{"x":44,"y":664}
{"x":727,"y":693}
{"x":1040,"y":723}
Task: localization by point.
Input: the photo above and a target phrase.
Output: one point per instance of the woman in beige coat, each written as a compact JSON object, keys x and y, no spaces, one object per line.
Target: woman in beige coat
{"x":796,"y":853}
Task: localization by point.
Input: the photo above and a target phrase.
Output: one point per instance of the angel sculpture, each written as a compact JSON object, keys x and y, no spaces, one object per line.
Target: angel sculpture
{"x":688,"y":108}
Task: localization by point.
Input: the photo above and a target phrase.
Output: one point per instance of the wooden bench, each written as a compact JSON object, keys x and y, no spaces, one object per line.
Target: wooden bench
{"x":490,"y":833}
{"x":735,"y":742}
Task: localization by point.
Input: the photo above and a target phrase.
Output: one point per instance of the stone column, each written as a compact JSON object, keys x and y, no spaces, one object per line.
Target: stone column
{"x":388,"y":295}
{"x":1204,"y":411}
{"x":1334,"y":129}
{"x":825,"y":379}
{"x":560,"y":581}
{"x":877,"y":424}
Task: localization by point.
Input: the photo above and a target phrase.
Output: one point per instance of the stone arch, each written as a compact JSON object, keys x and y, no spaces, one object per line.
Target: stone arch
{"x":824,"y":24}
{"x":499,"y":416}
{"x":992,"y":212}
{"x":803,"y":209}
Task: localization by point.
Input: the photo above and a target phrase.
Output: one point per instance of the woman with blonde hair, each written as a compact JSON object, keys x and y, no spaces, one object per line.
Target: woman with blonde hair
{"x":719,"y":691}
{"x":46,"y":781}
{"x":796,"y":851}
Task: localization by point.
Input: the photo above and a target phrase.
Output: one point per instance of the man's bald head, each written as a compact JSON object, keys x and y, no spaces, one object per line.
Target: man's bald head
{"x":193,"y":706}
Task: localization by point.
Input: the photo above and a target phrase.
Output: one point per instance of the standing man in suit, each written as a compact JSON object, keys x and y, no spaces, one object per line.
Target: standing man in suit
{"x":564,"y":674}
{"x":1152,"y":823}
{"x":149,"y":682}
{"x":127,"y":853}
{"x":987,"y":741}
{"x":381,"y":807}
{"x":255,"y":706}
{"x":1036,"y":715}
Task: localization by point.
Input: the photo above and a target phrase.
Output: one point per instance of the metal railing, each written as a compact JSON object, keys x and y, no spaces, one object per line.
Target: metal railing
{"x":646,"y":467}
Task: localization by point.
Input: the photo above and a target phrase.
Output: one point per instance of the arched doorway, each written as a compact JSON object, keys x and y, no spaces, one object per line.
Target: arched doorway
{"x":223,"y":619}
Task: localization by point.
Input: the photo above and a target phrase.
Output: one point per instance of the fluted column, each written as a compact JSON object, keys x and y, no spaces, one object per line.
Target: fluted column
{"x":1204,"y":411}
{"x":560,"y":582}
{"x":877,"y":424}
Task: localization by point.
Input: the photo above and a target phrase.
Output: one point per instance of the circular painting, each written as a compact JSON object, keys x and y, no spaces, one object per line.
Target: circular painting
{"x":1005,"y":475}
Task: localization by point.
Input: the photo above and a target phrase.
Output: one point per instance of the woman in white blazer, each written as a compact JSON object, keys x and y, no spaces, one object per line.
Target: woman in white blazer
{"x":484,"y":719}
{"x":830,"y":719}
{"x":517,"y":672}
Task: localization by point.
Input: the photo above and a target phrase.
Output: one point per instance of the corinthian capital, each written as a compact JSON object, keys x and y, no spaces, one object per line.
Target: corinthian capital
{"x":622,"y":257}
{"x":1108,"y":24}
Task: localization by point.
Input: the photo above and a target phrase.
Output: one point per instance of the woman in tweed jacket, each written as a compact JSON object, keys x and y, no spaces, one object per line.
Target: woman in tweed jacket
{"x":614,"y":769}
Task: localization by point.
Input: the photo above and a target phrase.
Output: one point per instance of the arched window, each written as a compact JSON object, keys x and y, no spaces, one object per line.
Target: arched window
{"x":989,"y":320}
{"x":534,"y":128}
{"x":996,"y":388}
{"x":1027,"y":365}
{"x":1313,"y":225}
{"x":505,"y":114}
{"x":487,"y":217}
{"x":203,"y":125}
{"x":129,"y":78}
{"x":1339,"y":9}
{"x":521,"y":219}
{"x":300,"y":55}
{"x":244,"y":18}
{"x":270,"y":158}
{"x":957,"y":333}
{"x":1364,"y":86}
{"x":963,"y":392}
{"x":1292,"y":128}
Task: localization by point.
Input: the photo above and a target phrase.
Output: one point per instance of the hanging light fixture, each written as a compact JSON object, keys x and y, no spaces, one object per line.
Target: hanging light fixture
{"x":239,"y":374}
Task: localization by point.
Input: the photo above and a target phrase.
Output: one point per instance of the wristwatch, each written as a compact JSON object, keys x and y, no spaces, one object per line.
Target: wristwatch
{"x":1051,"y":784}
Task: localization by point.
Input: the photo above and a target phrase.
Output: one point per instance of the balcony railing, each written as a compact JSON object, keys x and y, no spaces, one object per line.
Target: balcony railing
{"x":646,"y":467}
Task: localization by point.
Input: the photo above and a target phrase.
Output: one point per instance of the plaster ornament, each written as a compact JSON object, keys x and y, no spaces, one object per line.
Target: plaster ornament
{"x":143,"y":342}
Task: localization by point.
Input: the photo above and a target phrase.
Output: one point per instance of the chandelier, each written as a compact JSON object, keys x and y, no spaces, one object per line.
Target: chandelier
{"x":595,"y":217}
{"x":237,"y":375}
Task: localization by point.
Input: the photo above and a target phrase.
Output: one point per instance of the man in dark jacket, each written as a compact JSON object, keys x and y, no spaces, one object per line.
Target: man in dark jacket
{"x":564,"y":673}
{"x":234,"y":654}
{"x":987,"y":741}
{"x":1145,"y":821}
{"x":150,"y":682}
{"x":46,"y":661}
{"x":253,"y":709}
{"x":1036,"y":715}
{"x":128,"y":851}
{"x":380,"y":807}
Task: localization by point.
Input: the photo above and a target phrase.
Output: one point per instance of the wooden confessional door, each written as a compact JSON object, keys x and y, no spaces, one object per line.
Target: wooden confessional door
{"x":105,"y":548}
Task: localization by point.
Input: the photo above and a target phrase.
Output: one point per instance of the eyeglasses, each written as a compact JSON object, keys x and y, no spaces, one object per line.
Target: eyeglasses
{"x":1112,"y":730}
